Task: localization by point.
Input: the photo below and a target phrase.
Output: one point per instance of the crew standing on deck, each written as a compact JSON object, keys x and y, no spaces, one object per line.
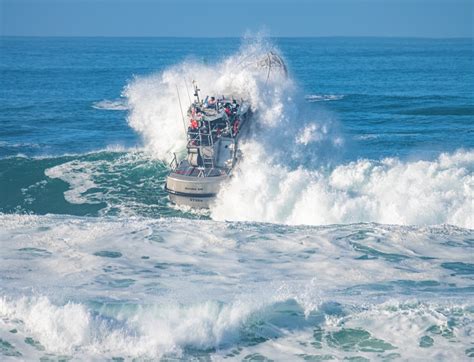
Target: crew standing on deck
{"x":212,"y":103}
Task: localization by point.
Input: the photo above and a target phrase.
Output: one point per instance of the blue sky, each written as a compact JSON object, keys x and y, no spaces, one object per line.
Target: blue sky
{"x":404,"y":18}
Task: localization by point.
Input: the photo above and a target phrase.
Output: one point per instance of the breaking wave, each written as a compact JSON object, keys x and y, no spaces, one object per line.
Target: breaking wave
{"x":101,"y":288}
{"x":156,"y":110}
{"x":129,"y":330}
{"x":289,"y":173}
{"x":388,"y":191}
{"x":323,"y":97}
{"x":135,"y":331}
{"x":111,"y":105}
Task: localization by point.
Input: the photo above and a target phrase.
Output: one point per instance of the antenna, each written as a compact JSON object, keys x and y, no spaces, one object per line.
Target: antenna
{"x":196,"y":91}
{"x":187,"y":90}
{"x":181,"y":109}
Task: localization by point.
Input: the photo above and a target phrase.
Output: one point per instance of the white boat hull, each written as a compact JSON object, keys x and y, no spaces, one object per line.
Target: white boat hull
{"x":195,"y":192}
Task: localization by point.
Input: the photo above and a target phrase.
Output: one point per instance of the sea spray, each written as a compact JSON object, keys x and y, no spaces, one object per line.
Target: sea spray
{"x":387,"y":191}
{"x":211,"y":288}
{"x":289,"y":171}
{"x":155,"y":108}
{"x":111,"y":105}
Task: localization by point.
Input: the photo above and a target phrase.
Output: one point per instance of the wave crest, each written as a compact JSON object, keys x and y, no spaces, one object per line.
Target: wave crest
{"x":289,"y":173}
{"x":388,"y":191}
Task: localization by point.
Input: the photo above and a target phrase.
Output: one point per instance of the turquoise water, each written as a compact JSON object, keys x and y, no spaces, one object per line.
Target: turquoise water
{"x":345,"y":233}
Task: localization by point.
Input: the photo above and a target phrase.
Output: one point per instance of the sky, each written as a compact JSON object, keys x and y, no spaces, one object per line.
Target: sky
{"x":226,"y":18}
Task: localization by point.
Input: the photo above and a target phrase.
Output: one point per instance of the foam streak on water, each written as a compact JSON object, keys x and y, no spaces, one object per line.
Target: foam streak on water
{"x":145,"y":288}
{"x":111,"y":105}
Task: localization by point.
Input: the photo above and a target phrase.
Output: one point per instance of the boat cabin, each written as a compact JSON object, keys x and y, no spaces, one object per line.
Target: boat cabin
{"x":213,"y":128}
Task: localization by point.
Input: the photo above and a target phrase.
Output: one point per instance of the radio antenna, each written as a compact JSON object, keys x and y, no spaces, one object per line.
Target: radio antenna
{"x":187,"y":90}
{"x":181,"y":109}
{"x":196,"y":91}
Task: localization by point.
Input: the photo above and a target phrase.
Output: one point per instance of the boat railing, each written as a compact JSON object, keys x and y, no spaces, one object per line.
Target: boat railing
{"x":204,"y":143}
{"x":174,"y":162}
{"x":198,"y":139}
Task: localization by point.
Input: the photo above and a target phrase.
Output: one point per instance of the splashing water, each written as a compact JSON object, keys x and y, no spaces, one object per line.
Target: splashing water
{"x":95,"y":264}
{"x":147,"y":288}
{"x":289,"y":173}
{"x":111,"y":105}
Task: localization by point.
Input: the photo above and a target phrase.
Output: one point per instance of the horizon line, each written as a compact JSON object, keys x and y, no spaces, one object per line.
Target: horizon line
{"x":241,"y":37}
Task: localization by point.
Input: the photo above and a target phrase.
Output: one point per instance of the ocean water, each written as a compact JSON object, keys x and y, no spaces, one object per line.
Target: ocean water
{"x":346,"y":231}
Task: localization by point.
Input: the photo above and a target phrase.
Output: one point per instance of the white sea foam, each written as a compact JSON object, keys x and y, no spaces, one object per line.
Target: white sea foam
{"x":323,"y":97}
{"x":60,"y":329}
{"x":122,"y":183}
{"x":146,"y":288}
{"x":367,"y":137}
{"x":111,"y":105}
{"x":387,"y":191}
{"x":391,"y":328}
{"x":151,"y":331}
{"x":154,"y":102}
{"x":78,"y":175}
{"x":284,"y":176}
{"x":389,"y":331}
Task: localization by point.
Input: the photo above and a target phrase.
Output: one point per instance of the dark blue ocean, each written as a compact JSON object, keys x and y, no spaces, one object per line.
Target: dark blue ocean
{"x":346,"y":231}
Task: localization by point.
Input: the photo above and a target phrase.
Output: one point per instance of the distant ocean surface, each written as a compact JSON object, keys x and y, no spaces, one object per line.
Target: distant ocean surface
{"x":346,"y":232}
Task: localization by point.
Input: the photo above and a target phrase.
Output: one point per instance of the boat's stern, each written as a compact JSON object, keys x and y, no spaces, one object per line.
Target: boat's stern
{"x":196,"y":192}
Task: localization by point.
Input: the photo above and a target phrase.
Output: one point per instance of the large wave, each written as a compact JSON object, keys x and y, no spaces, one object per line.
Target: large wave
{"x":388,"y":191}
{"x":99,"y":288}
{"x":289,"y":172}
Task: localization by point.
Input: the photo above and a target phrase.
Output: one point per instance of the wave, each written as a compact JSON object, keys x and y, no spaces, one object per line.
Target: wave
{"x":365,"y":137}
{"x":145,"y":288}
{"x":125,"y":330}
{"x":155,"y":107}
{"x":388,"y":191}
{"x":323,"y":97}
{"x":290,"y":172}
{"x":212,"y":328}
{"x":117,"y":183}
{"x":111,"y":105}
{"x":117,"y":148}
{"x":461,"y":110}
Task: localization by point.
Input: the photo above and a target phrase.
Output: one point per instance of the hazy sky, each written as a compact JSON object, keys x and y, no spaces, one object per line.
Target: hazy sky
{"x":422,"y":18}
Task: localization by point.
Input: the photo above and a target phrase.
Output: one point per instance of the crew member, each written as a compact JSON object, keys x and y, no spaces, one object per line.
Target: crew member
{"x":194,"y":124}
{"x":212,"y":103}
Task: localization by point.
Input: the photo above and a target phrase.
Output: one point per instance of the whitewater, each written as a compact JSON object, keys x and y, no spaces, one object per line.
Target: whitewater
{"x":288,"y":174}
{"x":346,"y":231}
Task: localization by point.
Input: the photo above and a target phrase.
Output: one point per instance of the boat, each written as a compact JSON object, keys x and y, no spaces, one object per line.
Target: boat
{"x":215,"y":126}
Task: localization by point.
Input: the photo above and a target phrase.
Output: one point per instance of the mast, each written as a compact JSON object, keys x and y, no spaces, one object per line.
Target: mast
{"x":181,"y":109}
{"x":196,"y":91}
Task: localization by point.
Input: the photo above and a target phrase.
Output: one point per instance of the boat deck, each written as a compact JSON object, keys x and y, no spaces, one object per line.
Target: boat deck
{"x":186,"y":169}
